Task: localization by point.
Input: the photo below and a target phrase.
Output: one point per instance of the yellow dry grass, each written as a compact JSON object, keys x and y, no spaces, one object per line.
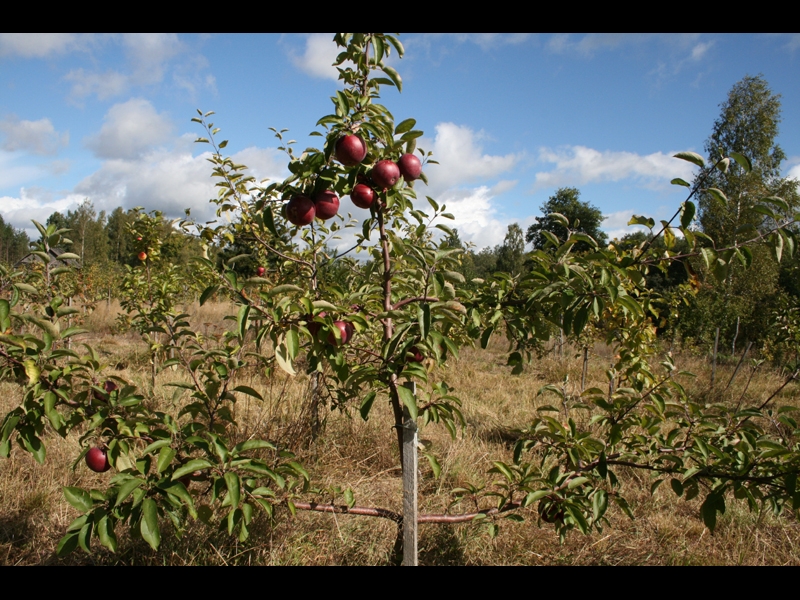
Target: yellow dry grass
{"x":362,"y":456}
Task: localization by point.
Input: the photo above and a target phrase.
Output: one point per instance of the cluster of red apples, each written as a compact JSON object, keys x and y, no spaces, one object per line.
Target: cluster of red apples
{"x":350,"y":151}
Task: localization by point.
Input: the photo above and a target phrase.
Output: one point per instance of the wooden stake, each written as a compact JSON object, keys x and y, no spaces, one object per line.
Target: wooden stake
{"x":714,"y":361}
{"x":410,"y":485}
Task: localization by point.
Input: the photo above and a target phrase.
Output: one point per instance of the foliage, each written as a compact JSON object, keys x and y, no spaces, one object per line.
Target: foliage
{"x":583,"y":217}
{"x":409,"y":298}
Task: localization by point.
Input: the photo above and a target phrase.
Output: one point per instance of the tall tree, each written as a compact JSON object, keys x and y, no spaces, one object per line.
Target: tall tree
{"x":582,"y":217}
{"x":511,"y":255}
{"x":14,"y":243}
{"x":739,"y":305}
{"x":748,"y":124}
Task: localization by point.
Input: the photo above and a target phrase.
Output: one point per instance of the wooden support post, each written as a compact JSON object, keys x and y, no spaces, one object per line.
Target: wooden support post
{"x":410,"y":485}
{"x":585,"y":367}
{"x":714,"y":360}
{"x":738,"y":366}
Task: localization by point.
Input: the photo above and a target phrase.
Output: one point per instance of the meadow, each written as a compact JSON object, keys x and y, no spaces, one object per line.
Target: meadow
{"x":351,"y":453}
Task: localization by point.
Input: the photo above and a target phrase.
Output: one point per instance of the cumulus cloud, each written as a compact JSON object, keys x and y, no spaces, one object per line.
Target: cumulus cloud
{"x":581,"y":165}
{"x":103,"y":85}
{"x":318,"y":56}
{"x":130,"y":129}
{"x":492,"y":40}
{"x":170,"y":180}
{"x":475,"y":215}
{"x":36,"y":206}
{"x":39,"y":45}
{"x":794,"y":170}
{"x":149,"y":56}
{"x":461,"y":159}
{"x":37,"y":137}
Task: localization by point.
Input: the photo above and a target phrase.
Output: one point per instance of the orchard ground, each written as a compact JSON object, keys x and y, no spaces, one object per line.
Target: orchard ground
{"x":361,"y":455}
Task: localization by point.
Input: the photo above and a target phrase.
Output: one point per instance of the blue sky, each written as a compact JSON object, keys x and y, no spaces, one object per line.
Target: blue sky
{"x":510,"y":118}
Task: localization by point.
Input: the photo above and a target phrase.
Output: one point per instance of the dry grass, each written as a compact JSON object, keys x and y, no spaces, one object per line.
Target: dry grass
{"x":362,"y":456}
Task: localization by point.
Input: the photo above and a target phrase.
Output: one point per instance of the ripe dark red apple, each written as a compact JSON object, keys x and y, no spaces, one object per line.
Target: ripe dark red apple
{"x":410,"y":167}
{"x":260,"y":271}
{"x":351,"y":150}
{"x":385,"y":174}
{"x":326,"y":204}
{"x":109,"y":386}
{"x":346,"y":329}
{"x":362,"y":195}
{"x":300,"y":210}
{"x":417,"y":355}
{"x":97,"y":460}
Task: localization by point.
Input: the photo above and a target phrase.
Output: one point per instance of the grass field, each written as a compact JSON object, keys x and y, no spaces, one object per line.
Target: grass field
{"x":363,"y":456}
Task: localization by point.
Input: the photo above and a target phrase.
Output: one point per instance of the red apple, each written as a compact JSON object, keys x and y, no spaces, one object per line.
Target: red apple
{"x":97,"y":460}
{"x":362,"y":195}
{"x":385,"y":174}
{"x":417,"y":355}
{"x":109,"y":386}
{"x":139,"y":239}
{"x":300,"y":210}
{"x":346,"y":329}
{"x":143,"y":256}
{"x":351,"y":150}
{"x":260,"y":271}
{"x":326,"y":204}
{"x":410,"y":167}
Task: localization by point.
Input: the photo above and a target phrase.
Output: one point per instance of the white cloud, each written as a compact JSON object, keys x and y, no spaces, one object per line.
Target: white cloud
{"x":580,"y":165}
{"x":461,"y":159}
{"x":591,"y":43}
{"x":170,"y":180}
{"x":475,"y":216}
{"x":700,"y":50}
{"x":38,"y":137}
{"x":148,"y":58}
{"x":103,"y":85}
{"x":318,"y":57}
{"x":794,"y":170}
{"x":130,"y":129}
{"x":30,"y":206}
{"x":488,"y":41}
{"x":39,"y":45}
{"x":148,"y":54}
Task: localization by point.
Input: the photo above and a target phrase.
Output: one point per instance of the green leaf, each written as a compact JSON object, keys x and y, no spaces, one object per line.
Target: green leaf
{"x":126,"y":488}
{"x":67,"y":544}
{"x":641,"y":220}
{"x":435,"y":467}
{"x":679,"y":181}
{"x":197,"y":464}
{"x":244,"y":389}
{"x":366,"y":404}
{"x":207,"y":293}
{"x":688,"y":210}
{"x":599,"y":504}
{"x":691,"y":157}
{"x":232,"y":483}
{"x":404,"y":126}
{"x":78,"y":498}
{"x":164,"y":458}
{"x":718,"y":195}
{"x":742,"y":160}
{"x":241,"y":320}
{"x":408,"y":399}
{"x":149,"y":524}
{"x":709,"y":512}
{"x":394,"y":76}
{"x":105,"y":531}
